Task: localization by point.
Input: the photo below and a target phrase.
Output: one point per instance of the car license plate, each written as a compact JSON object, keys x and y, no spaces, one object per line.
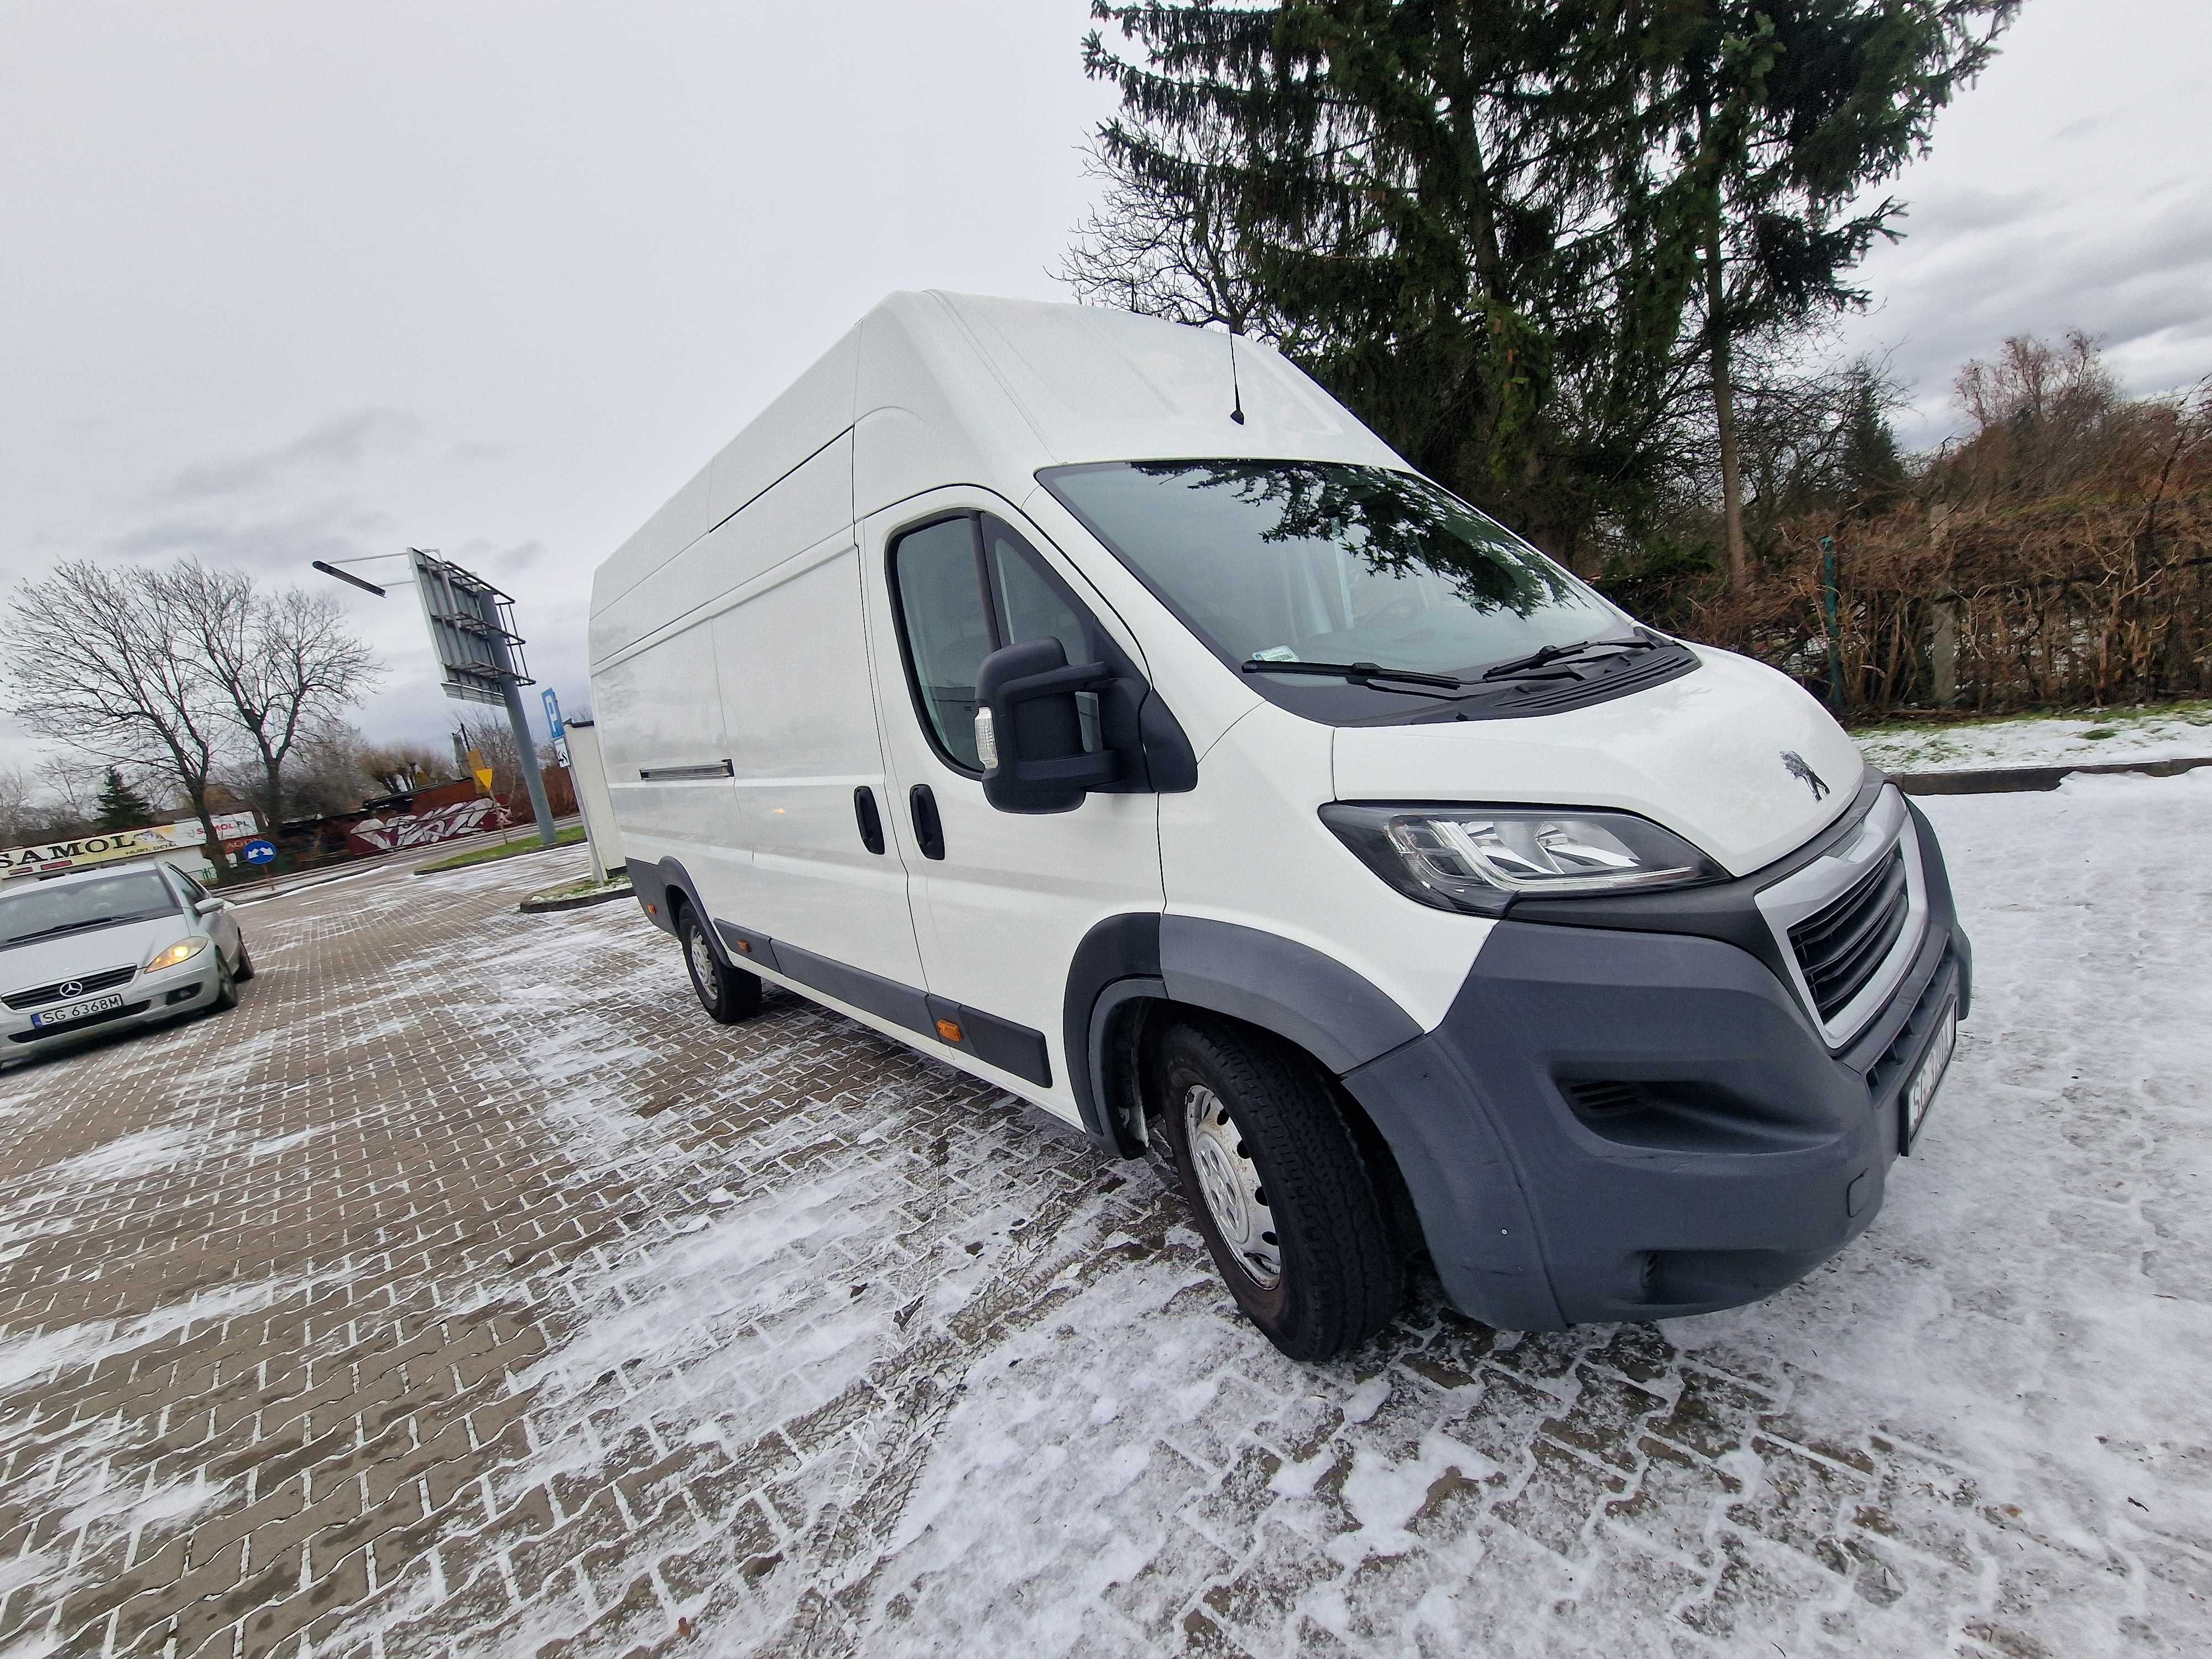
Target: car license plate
{"x":1928,"y":1076}
{"x":75,"y":1010}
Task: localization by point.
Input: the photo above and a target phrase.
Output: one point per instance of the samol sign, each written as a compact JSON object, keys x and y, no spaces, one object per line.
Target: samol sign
{"x":121,"y":844}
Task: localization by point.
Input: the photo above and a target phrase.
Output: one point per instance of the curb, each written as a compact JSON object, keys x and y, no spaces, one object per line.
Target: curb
{"x":2021,"y":780}
{"x":531,"y":907}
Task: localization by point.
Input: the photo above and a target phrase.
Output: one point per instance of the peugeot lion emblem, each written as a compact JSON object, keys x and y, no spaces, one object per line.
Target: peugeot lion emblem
{"x":1796,"y":763}
{"x":71,"y":986}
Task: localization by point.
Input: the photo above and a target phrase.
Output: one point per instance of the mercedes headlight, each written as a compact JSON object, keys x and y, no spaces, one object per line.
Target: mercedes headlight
{"x":183,"y":951}
{"x":1480,"y":859}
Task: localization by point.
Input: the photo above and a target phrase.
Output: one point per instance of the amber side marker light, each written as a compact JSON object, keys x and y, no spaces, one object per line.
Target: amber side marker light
{"x":949,"y":1029}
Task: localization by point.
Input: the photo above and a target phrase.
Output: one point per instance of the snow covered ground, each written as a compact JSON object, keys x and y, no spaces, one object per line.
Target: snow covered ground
{"x":1982,"y":1430}
{"x":819,"y":1347}
{"x":2173,"y":732}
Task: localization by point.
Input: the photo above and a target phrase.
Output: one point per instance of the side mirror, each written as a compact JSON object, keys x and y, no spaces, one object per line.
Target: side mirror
{"x":1029,"y":730}
{"x":208,"y":907}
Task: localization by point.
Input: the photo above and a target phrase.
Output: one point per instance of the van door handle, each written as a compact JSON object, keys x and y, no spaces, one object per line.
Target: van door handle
{"x":870,"y":820}
{"x":928,"y":829}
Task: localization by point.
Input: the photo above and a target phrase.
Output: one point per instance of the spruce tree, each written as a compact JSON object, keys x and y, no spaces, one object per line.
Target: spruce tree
{"x":1450,"y":211}
{"x":120,"y":806}
{"x":1781,"y":114}
{"x":1873,"y":469}
{"x":1518,"y":238}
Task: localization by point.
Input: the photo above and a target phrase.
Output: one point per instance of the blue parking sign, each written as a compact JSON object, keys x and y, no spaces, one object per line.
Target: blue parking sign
{"x":554,"y":729}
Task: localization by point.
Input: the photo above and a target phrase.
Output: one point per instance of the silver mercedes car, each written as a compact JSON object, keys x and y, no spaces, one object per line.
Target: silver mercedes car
{"x":94,"y":950}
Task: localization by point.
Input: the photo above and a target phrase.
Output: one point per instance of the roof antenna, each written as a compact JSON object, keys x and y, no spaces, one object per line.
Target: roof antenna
{"x":1237,"y":393}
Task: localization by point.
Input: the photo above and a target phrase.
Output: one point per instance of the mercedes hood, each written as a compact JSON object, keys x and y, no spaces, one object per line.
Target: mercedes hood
{"x":78,"y":956}
{"x":1735,"y":757}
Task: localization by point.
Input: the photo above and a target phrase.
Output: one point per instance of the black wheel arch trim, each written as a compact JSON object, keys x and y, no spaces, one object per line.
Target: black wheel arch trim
{"x":1296,"y":992}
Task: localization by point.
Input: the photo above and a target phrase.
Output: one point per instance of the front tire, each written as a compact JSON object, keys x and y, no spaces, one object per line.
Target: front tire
{"x":1293,"y":1212}
{"x":245,"y":970}
{"x":728,"y":995}
{"x":225,"y":986}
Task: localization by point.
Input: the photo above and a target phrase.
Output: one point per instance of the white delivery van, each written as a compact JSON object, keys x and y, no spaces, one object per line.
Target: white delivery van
{"x":1095,"y":704}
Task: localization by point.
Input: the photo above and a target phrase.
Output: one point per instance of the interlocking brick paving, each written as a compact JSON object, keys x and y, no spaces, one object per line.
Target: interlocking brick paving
{"x":466,"y":1291}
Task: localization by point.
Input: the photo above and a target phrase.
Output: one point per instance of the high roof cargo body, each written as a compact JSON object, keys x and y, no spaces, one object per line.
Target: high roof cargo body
{"x":1097,"y":705}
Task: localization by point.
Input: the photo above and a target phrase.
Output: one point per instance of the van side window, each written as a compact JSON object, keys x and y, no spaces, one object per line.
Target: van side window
{"x":948,"y":630}
{"x":1033,"y":605}
{"x":965,"y":588}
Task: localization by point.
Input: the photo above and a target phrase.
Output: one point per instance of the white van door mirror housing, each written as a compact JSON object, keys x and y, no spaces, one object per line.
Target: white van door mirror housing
{"x":1029,"y":729}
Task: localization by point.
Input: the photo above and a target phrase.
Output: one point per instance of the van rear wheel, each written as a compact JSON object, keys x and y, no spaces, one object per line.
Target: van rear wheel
{"x":1286,"y":1199}
{"x":728,"y":995}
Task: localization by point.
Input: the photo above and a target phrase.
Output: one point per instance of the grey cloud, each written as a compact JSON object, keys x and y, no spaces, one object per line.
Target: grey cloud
{"x":1959,"y":292}
{"x":343,"y":441}
{"x":1971,"y":208}
{"x":279,"y":543}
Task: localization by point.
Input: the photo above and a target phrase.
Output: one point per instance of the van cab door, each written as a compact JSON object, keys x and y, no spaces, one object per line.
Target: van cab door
{"x":1000,"y":900}
{"x":812,"y":865}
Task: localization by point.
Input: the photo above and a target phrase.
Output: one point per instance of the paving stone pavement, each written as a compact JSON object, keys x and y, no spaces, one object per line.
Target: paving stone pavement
{"x":466,"y":1291}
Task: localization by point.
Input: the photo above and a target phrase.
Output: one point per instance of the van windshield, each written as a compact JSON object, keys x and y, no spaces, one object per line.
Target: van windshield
{"x":1324,"y":562}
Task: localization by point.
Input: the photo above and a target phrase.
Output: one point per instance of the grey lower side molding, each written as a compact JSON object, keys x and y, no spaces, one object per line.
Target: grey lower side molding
{"x":995,"y":1042}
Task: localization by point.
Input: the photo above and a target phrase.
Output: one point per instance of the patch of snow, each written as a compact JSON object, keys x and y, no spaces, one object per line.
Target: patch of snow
{"x":2182,"y":733}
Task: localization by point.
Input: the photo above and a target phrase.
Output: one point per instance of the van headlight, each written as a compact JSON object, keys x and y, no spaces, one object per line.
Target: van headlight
{"x":1480,"y":859}
{"x":183,"y":951}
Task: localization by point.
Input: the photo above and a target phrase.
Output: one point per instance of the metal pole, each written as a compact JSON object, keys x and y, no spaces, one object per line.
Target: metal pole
{"x":526,"y":750}
{"x":1830,"y":611}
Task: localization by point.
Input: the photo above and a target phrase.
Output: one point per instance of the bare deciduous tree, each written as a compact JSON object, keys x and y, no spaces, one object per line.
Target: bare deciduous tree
{"x":401,"y":767}
{"x":285,"y":664}
{"x":1166,"y":252}
{"x":23,"y":819}
{"x":91,"y":659}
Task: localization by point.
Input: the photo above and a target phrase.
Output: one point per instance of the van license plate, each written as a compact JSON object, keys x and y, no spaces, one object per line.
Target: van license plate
{"x":1927,"y":1077}
{"x":75,"y":1010}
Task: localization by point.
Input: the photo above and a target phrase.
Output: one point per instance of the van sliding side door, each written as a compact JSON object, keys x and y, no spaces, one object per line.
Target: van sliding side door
{"x":1000,"y":900}
{"x":809,"y":781}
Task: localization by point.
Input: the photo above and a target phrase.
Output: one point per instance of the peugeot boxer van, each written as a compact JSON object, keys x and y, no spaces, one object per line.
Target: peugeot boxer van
{"x":1095,"y":704}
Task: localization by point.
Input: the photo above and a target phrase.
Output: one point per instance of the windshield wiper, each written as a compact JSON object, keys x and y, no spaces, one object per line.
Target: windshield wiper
{"x":78,"y":926}
{"x":1359,"y":673}
{"x":1551,"y":653}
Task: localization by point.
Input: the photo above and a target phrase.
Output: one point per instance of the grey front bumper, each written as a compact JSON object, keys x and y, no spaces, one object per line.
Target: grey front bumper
{"x":1612,"y":1125}
{"x":146,"y":1001}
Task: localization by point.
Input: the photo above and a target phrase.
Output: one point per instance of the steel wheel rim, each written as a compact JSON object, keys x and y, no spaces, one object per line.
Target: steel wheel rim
{"x":695,"y":948}
{"x":1229,"y":1185}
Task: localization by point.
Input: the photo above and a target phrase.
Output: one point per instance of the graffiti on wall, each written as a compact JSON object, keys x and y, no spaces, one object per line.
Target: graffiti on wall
{"x":406,"y":830}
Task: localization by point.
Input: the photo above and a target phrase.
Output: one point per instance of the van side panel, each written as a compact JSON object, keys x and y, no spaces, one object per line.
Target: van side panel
{"x":658,"y":710}
{"x":793,"y":666}
{"x":807,"y":415}
{"x":808,"y":504}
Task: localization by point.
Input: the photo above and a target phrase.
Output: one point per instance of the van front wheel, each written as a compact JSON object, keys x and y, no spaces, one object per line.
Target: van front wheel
{"x":1285,"y":1197}
{"x":728,"y":995}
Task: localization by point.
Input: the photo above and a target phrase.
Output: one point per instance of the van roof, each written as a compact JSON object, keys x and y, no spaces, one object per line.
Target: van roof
{"x":939,"y":388}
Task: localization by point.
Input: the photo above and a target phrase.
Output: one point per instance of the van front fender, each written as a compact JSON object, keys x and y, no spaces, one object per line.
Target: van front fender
{"x":1263,"y":978}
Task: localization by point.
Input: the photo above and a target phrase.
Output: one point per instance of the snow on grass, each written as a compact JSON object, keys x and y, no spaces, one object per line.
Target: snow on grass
{"x":2170,"y":731}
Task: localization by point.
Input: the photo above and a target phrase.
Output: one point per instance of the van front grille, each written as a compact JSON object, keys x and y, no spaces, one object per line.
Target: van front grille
{"x":1840,"y":946}
{"x":68,"y":990}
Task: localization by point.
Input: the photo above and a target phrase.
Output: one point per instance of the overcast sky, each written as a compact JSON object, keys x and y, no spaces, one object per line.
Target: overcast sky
{"x":285,"y":281}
